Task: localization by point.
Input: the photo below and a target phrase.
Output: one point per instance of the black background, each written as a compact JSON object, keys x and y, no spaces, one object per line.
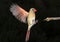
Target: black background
{"x":12,"y":30}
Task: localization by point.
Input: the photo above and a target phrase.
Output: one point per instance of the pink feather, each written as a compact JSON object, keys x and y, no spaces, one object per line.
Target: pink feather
{"x":19,"y":12}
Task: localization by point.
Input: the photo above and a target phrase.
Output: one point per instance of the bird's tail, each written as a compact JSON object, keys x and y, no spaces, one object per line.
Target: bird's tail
{"x":28,"y":34}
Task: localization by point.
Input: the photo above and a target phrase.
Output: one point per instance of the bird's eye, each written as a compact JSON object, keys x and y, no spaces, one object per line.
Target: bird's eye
{"x":32,"y":8}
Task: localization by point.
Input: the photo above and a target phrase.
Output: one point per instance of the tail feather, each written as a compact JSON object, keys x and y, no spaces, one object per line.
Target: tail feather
{"x":27,"y":35}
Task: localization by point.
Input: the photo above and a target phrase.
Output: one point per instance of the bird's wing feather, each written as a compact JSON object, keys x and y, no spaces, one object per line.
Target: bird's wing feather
{"x":19,"y":12}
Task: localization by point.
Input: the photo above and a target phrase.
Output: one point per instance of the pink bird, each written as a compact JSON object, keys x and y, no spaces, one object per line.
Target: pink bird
{"x":24,"y":16}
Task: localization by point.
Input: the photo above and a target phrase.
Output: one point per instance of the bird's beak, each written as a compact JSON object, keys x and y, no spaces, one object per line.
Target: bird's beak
{"x":35,"y":10}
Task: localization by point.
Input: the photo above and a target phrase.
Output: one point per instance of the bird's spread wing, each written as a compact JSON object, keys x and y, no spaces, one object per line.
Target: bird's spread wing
{"x":19,"y":12}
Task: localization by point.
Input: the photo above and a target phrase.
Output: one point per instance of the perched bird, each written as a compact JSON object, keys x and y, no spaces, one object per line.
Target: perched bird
{"x":24,"y":16}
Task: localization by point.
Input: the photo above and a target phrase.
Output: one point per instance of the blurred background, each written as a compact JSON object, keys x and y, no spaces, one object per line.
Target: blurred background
{"x":12,"y":30}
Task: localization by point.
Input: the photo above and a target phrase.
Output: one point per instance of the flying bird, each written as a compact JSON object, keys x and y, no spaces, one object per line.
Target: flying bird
{"x":24,"y":16}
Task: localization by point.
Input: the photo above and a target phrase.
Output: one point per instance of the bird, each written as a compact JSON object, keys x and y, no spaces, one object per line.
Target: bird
{"x":24,"y":16}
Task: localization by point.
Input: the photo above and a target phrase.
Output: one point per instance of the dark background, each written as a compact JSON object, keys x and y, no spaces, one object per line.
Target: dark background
{"x":12,"y":30}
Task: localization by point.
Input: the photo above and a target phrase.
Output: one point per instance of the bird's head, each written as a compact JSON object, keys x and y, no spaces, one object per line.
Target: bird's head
{"x":33,"y":9}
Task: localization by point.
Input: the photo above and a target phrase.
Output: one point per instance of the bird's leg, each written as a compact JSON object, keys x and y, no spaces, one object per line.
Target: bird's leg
{"x":36,"y":21}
